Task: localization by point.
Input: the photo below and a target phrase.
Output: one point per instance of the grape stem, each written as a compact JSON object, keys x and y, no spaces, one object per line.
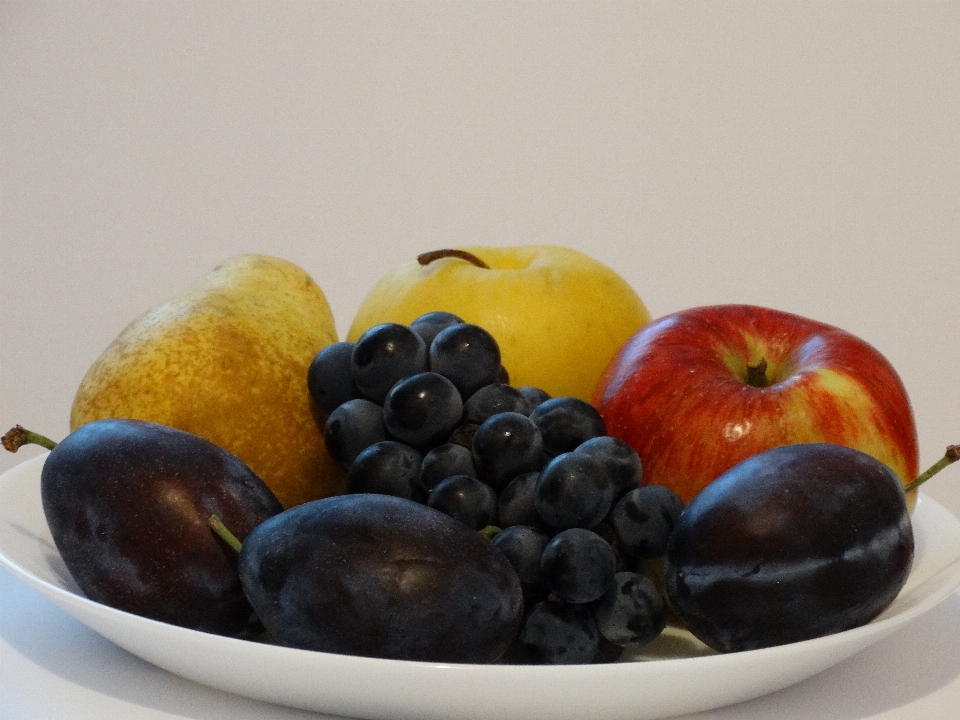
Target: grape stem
{"x":950,"y":456}
{"x":428,"y":257}
{"x":19,"y":436}
{"x":224,"y":533}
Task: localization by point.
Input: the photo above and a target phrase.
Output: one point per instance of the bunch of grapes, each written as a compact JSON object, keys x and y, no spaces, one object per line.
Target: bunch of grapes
{"x":426,"y":412}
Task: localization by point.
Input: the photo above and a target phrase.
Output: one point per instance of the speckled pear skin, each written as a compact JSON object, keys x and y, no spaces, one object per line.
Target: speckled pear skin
{"x":227,"y":360}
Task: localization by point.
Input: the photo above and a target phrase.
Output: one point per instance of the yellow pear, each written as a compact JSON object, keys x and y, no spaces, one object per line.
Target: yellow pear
{"x":227,"y":360}
{"x":557,"y":314}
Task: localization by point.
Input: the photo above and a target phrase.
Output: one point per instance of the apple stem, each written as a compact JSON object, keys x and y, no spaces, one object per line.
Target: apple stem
{"x":228,"y":537}
{"x":19,"y":436}
{"x":428,"y":257}
{"x":950,"y":456}
{"x":757,"y":374}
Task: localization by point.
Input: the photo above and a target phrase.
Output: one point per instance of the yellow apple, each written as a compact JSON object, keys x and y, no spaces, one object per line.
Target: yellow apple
{"x":227,"y":360}
{"x":558,"y":315}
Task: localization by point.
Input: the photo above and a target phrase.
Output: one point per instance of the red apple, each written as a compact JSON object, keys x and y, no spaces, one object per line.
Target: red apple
{"x":698,"y":391}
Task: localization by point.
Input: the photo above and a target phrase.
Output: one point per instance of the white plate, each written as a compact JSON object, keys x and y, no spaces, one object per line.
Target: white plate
{"x":690,"y":681}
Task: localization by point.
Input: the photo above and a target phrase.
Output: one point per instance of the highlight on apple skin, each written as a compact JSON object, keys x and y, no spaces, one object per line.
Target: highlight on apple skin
{"x":700,"y":390}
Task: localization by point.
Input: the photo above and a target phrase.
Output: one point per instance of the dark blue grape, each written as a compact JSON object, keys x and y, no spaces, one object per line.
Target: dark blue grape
{"x":605,"y":530}
{"x":504,"y":446}
{"x":631,"y":612}
{"x":607,"y":652}
{"x":384,"y":355}
{"x":533,"y":395}
{"x":578,"y":565}
{"x":429,"y":325}
{"x":422,"y":410}
{"x":621,"y":462}
{"x":466,"y":499}
{"x":523,"y":545}
{"x":352,"y":427}
{"x":388,"y":468}
{"x":445,"y":461}
{"x":643,"y":520}
{"x":573,"y":490}
{"x":328,"y":378}
{"x":566,"y":422}
{"x":492,"y":399}
{"x":556,"y":633}
{"x":463,"y":435}
{"x":516,"y":505}
{"x":467,"y":355}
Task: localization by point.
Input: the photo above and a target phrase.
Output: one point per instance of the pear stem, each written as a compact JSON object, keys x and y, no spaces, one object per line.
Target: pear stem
{"x":19,"y":436}
{"x":757,"y":374}
{"x":228,"y":537}
{"x":428,"y":257}
{"x":950,"y":456}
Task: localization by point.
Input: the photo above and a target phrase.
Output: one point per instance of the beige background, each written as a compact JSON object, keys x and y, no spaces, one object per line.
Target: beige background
{"x":802,"y":155}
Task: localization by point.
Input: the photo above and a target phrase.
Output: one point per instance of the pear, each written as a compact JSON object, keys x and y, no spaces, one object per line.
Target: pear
{"x":227,"y":360}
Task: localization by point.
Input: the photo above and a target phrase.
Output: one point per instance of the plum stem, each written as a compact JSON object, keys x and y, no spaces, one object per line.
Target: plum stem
{"x":428,"y":257}
{"x":228,"y":537}
{"x":950,"y":456}
{"x":490,"y":532}
{"x":19,"y":436}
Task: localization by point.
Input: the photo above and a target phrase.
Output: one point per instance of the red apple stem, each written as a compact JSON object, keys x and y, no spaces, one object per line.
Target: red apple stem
{"x":428,"y":257}
{"x":224,"y":533}
{"x":19,"y":436}
{"x":949,"y":457}
{"x":757,"y":374}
